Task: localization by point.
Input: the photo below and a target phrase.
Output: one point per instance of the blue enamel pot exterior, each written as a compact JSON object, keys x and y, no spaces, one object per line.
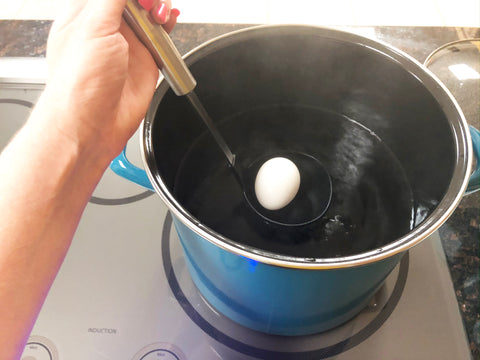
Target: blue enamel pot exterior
{"x":279,"y":300}
{"x":380,"y":87}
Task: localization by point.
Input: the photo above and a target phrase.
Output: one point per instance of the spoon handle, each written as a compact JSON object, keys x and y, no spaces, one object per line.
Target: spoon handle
{"x":170,"y":62}
{"x":196,"y":103}
{"x":161,"y":47}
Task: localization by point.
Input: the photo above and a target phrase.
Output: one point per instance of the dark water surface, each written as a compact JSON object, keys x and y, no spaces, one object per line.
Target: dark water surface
{"x":372,"y":203}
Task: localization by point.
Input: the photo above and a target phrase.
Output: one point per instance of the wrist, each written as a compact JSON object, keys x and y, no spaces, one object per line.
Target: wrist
{"x":64,"y":159}
{"x":70,"y":127}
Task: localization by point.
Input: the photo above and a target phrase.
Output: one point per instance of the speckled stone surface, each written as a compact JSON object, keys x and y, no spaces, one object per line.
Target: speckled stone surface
{"x":460,"y":234}
{"x":23,"y":38}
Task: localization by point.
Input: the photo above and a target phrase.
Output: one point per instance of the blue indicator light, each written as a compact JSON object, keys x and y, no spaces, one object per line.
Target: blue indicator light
{"x":252,"y":264}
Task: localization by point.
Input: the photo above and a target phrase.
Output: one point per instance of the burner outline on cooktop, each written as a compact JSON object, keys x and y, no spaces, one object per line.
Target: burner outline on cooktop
{"x":25,"y":103}
{"x":121,"y":201}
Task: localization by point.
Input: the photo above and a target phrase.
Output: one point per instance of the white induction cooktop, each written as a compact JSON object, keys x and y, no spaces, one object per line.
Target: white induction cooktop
{"x":124,"y":292}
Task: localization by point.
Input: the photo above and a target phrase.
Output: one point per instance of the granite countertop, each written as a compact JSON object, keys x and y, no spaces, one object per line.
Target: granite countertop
{"x":460,"y":234}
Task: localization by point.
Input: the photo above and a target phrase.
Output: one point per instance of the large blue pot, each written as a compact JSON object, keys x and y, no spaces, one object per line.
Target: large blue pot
{"x":376,"y":85}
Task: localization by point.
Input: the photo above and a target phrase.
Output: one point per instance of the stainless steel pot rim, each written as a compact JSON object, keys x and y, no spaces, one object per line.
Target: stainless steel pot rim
{"x":438,"y":216}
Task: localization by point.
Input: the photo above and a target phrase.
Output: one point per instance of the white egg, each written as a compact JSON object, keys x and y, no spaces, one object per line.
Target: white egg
{"x":277,"y":183}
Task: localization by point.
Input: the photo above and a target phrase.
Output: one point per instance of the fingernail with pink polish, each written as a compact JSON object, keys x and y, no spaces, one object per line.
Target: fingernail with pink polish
{"x":146,"y":4}
{"x":174,"y":13}
{"x":161,"y":13}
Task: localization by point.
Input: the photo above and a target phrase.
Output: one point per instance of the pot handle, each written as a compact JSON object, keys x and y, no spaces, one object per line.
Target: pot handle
{"x":474,"y":183}
{"x":124,"y":168}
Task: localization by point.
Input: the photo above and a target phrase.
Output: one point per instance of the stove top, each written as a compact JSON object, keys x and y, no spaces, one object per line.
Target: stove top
{"x":124,"y":292}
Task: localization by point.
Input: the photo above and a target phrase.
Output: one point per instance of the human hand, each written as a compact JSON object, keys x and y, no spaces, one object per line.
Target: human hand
{"x":101,"y":78}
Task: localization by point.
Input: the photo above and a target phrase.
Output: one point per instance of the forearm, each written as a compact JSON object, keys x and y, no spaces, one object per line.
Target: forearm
{"x":55,"y":175}
{"x":101,"y":80}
